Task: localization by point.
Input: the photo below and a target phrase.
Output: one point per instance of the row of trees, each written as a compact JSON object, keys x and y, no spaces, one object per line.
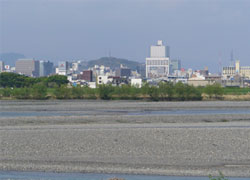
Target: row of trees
{"x":37,"y":91}
{"x":13,"y":80}
{"x":163,"y":92}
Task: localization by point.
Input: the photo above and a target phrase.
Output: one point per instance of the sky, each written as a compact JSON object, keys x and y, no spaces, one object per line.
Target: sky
{"x":199,"y":32}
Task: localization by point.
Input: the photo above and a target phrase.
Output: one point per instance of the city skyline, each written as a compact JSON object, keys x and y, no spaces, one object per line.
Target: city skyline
{"x":200,"y":33}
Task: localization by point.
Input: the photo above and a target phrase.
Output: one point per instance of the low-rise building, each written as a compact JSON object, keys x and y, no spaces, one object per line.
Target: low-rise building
{"x":113,"y":80}
{"x":86,"y":75}
{"x":230,"y":71}
{"x":137,"y":82}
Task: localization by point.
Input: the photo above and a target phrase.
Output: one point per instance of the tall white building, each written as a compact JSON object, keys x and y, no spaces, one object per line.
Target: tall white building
{"x":1,"y":66}
{"x":157,"y":65}
{"x":63,"y":68}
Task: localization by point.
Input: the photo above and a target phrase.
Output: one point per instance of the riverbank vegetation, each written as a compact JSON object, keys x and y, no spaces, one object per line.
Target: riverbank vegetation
{"x":14,"y":86}
{"x":220,"y":177}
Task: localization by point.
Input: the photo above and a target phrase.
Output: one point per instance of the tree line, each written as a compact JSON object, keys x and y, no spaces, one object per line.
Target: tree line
{"x":15,"y":86}
{"x":13,"y":80}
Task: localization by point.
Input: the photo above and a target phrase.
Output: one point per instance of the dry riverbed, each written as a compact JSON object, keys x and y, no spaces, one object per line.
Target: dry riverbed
{"x":110,"y":138}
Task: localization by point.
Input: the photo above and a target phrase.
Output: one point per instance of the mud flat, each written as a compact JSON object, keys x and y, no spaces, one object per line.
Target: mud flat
{"x":185,"y":147}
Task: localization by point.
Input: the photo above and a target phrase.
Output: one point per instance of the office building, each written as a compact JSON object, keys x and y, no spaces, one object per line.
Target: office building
{"x":63,"y":68}
{"x":157,"y":65}
{"x":123,"y":72}
{"x":168,"y":51}
{"x":28,"y":67}
{"x":46,"y":68}
{"x":141,"y":69}
{"x":175,"y":64}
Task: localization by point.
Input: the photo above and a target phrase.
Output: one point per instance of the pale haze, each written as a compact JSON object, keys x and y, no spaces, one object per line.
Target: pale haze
{"x":199,"y":32}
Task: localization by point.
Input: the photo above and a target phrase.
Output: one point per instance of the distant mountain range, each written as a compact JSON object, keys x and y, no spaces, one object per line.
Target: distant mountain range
{"x":113,"y":63}
{"x":10,"y":58}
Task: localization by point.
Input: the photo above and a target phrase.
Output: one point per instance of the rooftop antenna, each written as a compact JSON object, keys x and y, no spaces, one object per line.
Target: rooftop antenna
{"x":220,"y":63}
{"x":109,"y":53}
{"x":232,"y":58}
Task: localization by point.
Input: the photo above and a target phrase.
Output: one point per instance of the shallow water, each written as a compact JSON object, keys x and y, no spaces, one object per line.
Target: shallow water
{"x":119,"y":112}
{"x":11,"y":175}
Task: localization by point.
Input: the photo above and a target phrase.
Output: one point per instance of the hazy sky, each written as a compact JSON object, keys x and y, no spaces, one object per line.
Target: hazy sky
{"x":199,"y":32}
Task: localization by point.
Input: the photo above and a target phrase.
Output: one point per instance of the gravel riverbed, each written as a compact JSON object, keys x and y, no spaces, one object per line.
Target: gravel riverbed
{"x":195,"y":145}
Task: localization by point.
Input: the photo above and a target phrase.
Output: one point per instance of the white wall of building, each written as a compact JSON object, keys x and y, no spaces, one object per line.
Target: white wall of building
{"x":103,"y":80}
{"x":136,"y":82}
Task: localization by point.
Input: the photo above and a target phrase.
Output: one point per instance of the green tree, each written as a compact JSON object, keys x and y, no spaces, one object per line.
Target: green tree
{"x":59,"y":80}
{"x":166,"y":90}
{"x":39,"y":91}
{"x":62,"y":92}
{"x":90,"y":93}
{"x":124,"y":91}
{"x":22,"y":93}
{"x":105,"y":91}
{"x":77,"y":92}
{"x":192,"y":93}
{"x":145,"y":89}
{"x":214,"y":90}
{"x":13,"y":80}
{"x":135,"y":92}
{"x":6,"y":92}
{"x":154,"y":93}
{"x":179,"y":90}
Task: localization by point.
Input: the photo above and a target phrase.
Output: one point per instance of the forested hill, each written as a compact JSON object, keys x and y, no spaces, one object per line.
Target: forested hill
{"x":113,"y":63}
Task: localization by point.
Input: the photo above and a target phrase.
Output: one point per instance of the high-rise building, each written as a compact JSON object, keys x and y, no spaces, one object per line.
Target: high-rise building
{"x":63,"y":68}
{"x":46,"y":68}
{"x":141,"y":69}
{"x":157,"y":65}
{"x":175,"y":64}
{"x":123,"y":72}
{"x":28,"y":67}
{"x":1,"y":66}
{"x":168,"y":51}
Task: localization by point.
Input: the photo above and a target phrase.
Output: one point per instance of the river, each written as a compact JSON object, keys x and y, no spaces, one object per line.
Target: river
{"x":12,"y":175}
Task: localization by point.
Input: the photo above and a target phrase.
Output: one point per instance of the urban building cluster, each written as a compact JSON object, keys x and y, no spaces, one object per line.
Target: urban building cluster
{"x":76,"y":72}
{"x":159,"y":66}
